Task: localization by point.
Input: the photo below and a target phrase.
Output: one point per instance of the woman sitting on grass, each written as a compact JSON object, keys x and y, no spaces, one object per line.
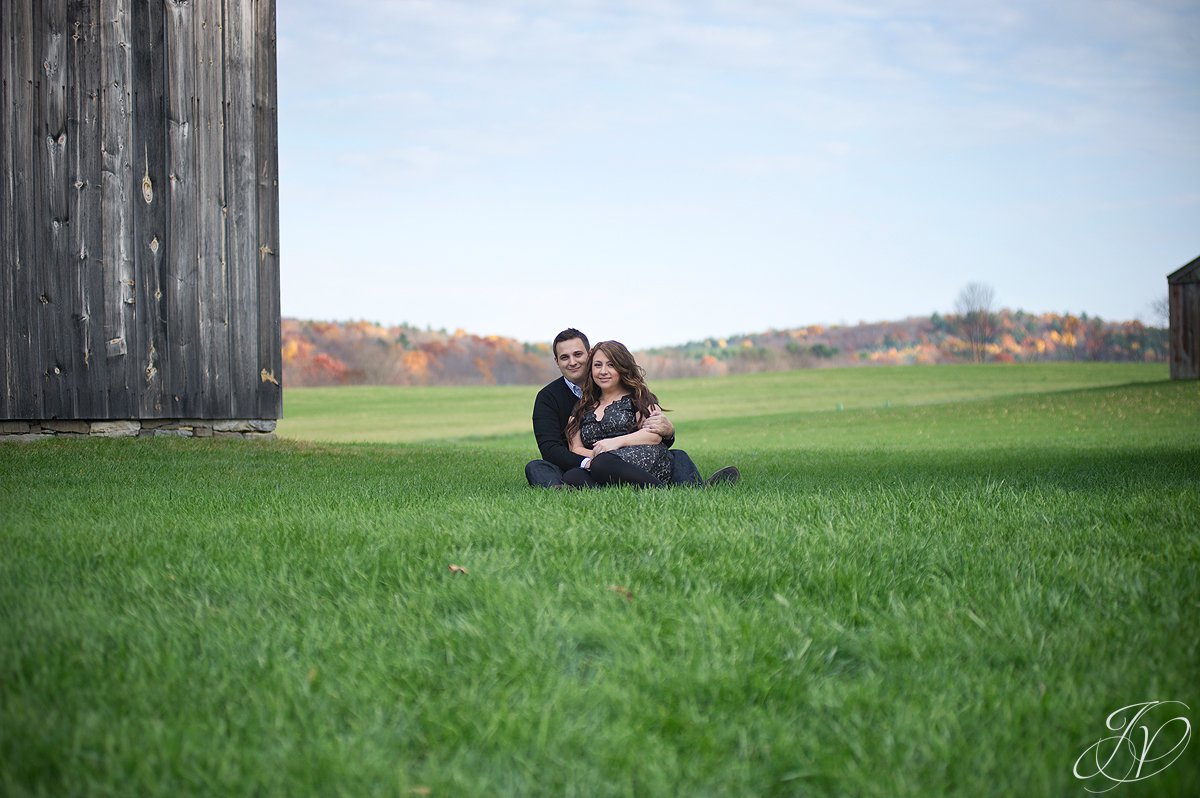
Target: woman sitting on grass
{"x":604,"y":427}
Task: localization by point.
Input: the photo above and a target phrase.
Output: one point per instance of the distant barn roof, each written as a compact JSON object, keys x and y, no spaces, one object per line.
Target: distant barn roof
{"x":1186,"y":274}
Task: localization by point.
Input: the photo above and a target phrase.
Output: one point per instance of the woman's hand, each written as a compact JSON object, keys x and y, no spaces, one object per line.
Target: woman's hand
{"x":636,"y":438}
{"x":606,"y":445}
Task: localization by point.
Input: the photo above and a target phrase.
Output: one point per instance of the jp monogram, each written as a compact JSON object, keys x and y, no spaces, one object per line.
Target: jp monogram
{"x":1150,"y":737}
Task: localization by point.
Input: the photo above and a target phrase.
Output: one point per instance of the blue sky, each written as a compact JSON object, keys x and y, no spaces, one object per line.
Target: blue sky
{"x":659,"y":171}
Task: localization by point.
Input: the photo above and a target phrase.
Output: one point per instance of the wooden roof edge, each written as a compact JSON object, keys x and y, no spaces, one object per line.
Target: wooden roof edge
{"x":1181,"y":274}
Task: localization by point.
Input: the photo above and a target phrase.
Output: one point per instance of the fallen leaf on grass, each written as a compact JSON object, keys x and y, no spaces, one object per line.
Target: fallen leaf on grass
{"x":458,"y":569}
{"x":624,"y":591}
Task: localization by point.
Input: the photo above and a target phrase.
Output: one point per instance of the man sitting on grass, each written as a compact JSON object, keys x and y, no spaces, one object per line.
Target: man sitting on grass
{"x":553,"y":406}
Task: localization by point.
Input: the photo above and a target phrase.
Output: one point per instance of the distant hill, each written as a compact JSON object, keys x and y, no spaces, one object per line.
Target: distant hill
{"x":359,"y":352}
{"x":362,"y":353}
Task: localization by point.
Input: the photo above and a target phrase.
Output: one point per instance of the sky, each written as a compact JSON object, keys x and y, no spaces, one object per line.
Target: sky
{"x":659,"y":172}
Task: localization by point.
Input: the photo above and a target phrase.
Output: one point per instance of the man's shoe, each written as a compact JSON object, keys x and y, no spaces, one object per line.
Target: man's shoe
{"x":728,"y":475}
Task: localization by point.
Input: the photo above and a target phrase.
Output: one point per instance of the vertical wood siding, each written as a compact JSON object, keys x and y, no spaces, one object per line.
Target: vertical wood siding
{"x":139,"y":223}
{"x":1185,"y":330}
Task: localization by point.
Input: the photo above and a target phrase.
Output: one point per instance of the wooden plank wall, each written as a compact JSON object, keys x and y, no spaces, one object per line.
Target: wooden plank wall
{"x":139,"y":210}
{"x":1185,"y":330}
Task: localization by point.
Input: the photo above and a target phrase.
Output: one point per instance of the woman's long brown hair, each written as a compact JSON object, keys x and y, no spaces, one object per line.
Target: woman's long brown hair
{"x":628,"y":371}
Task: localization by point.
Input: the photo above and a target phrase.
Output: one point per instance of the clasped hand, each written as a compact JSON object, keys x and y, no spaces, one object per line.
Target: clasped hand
{"x":606,"y":445}
{"x":657,"y":423}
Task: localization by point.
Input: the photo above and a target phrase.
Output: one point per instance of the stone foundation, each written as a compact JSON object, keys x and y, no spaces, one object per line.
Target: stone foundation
{"x":249,"y":429}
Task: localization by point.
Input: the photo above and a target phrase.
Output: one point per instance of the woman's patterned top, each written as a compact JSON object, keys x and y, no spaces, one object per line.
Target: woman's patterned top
{"x":620,"y":418}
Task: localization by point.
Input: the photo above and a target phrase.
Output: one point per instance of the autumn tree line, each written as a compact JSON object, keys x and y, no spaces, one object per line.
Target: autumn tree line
{"x":363,"y":353}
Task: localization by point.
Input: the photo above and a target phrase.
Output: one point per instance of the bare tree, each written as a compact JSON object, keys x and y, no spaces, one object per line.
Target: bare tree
{"x":1160,"y":312}
{"x":975,"y":317}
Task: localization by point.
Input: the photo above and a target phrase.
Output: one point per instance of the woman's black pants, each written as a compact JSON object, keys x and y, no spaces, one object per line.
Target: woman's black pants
{"x":609,"y":469}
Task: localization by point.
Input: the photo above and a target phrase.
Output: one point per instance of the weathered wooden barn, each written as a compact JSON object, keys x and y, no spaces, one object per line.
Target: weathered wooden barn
{"x":1183,"y":286}
{"x":139,"y":223}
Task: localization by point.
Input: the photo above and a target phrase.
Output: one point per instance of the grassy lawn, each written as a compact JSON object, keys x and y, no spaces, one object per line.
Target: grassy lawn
{"x":407,"y":415}
{"x":942,"y":588}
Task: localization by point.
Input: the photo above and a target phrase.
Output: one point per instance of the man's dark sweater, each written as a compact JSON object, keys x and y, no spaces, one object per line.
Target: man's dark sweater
{"x":551,"y":410}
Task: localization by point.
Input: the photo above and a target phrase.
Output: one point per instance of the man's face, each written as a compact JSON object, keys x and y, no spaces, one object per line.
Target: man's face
{"x":571,"y":359}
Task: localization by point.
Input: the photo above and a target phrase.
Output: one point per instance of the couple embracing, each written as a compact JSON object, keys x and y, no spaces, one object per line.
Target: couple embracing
{"x":601,"y":425}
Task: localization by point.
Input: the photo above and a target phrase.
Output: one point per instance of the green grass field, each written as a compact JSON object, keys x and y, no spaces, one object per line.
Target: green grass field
{"x":930,"y":581}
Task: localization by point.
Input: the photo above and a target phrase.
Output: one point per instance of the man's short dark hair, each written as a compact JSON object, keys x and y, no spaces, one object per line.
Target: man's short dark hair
{"x":567,"y":335}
